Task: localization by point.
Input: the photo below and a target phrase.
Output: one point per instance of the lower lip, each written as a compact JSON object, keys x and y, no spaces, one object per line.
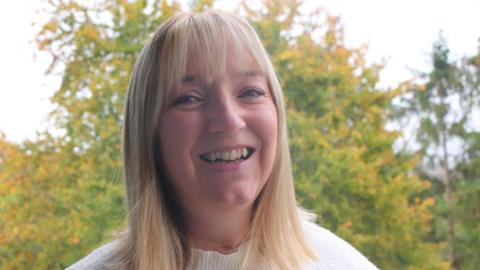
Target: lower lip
{"x":225,"y":167}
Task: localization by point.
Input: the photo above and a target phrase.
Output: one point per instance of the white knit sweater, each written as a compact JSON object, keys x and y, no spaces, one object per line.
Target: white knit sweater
{"x":334,"y":253}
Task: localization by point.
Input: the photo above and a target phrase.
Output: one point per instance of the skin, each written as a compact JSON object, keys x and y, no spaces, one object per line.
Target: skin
{"x":232,"y":109}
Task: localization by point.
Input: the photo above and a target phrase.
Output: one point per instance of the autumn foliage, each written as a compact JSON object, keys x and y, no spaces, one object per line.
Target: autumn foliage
{"x":62,"y":195}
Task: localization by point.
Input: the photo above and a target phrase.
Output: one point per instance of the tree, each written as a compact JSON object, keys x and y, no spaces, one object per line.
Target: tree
{"x":41,"y":218}
{"x":467,"y":182}
{"x":442,"y":103}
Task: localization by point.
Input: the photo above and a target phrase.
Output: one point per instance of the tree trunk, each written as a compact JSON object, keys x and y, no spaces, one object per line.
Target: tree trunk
{"x":450,"y":202}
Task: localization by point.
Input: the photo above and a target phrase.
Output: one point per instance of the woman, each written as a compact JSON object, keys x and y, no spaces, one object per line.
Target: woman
{"x":207,"y":167}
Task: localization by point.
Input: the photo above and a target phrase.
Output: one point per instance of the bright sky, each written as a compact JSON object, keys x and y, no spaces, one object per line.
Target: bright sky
{"x":400,"y":31}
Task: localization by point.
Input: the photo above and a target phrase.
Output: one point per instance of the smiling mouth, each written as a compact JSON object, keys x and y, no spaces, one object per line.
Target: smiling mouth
{"x":231,"y":156}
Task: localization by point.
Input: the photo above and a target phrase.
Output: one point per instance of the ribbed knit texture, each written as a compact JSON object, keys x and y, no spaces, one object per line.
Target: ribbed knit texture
{"x":213,"y":260}
{"x":334,"y":254}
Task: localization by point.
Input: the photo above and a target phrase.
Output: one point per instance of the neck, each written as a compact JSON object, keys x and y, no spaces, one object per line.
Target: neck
{"x":221,"y":230}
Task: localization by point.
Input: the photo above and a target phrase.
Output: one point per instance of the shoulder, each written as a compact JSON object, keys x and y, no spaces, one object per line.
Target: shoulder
{"x":334,"y":253}
{"x":96,"y":259}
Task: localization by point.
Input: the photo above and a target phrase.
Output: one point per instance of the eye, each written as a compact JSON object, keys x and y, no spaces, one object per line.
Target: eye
{"x":252,"y":92}
{"x":186,"y":100}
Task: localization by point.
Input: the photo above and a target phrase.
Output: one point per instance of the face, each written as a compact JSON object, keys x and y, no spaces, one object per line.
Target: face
{"x":218,"y":136}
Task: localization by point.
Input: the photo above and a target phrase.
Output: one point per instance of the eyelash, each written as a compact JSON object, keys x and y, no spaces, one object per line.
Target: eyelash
{"x":258,"y":92}
{"x":187,"y":98}
{"x":184,"y":99}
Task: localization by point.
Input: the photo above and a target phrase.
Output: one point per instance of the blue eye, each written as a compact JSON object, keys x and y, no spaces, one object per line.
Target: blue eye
{"x":186,"y":99}
{"x":252,"y":93}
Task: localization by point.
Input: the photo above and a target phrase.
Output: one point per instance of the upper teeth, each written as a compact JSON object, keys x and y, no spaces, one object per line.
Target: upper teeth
{"x":227,"y":155}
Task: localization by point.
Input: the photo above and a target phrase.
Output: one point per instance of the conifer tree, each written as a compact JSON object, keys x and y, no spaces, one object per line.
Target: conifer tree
{"x":443,"y":102}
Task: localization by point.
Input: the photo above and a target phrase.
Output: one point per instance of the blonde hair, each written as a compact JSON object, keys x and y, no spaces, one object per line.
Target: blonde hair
{"x":155,"y":238}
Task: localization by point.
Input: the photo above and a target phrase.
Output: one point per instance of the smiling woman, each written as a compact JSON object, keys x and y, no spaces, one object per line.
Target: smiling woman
{"x":207,"y":167}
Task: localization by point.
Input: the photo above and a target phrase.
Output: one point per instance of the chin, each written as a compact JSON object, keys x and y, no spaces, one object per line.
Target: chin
{"x":237,"y":198}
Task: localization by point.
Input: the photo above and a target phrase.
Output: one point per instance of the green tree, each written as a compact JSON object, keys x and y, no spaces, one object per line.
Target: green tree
{"x":467,"y":182}
{"x":42,"y":224}
{"x":442,"y":102}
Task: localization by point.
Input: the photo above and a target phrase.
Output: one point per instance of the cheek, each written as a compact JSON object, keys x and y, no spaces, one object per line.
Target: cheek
{"x":273,"y":134}
{"x":177,"y":136}
{"x":267,"y":130}
{"x":270,"y":129}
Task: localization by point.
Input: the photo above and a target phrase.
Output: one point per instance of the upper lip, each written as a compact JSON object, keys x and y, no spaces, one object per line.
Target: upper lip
{"x":227,"y":148}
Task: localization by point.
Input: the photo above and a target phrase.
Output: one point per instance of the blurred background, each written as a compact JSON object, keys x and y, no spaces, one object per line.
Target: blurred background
{"x":383,"y":112}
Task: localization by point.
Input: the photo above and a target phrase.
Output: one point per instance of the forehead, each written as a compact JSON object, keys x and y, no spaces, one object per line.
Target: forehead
{"x":237,"y":62}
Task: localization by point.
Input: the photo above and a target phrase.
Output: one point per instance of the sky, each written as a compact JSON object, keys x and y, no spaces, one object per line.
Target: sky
{"x":401,"y":32}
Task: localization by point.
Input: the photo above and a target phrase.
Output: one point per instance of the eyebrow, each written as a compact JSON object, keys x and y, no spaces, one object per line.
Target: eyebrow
{"x":251,"y":73}
{"x":189,"y":78}
{"x":247,"y":73}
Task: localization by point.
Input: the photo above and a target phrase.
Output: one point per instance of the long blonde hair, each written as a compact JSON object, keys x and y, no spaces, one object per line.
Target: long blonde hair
{"x":155,"y":238}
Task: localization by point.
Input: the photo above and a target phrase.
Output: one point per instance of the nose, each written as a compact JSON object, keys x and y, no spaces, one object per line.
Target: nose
{"x":225,"y":116}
